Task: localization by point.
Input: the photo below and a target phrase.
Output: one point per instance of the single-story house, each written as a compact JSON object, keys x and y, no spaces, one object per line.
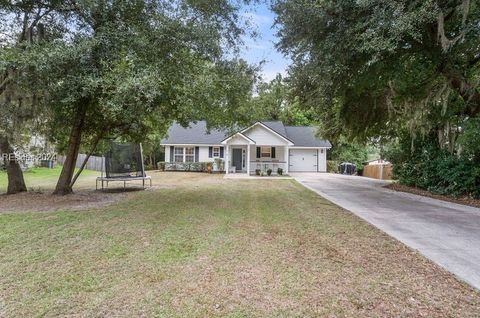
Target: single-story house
{"x":261,"y":146}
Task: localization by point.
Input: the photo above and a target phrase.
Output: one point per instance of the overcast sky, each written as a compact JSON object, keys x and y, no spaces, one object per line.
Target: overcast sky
{"x":263,"y":47}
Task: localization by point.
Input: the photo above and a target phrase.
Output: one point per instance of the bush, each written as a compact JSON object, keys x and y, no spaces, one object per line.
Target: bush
{"x":360,"y":171}
{"x":186,"y":166}
{"x":269,"y":172}
{"x":280,"y":171}
{"x":148,"y":167}
{"x":161,"y":165}
{"x":257,"y":172}
{"x":332,"y":166}
{"x":435,"y":170}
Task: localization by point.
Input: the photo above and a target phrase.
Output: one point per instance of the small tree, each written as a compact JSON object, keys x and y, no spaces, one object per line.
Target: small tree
{"x":129,"y":67}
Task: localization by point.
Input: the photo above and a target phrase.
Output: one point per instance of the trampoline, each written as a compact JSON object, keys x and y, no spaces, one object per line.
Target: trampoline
{"x":123,"y":163}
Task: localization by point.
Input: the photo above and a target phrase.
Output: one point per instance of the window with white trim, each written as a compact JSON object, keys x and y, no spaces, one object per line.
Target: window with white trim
{"x":189,"y":154}
{"x":178,"y":154}
{"x":216,"y":152}
{"x":265,"y":152}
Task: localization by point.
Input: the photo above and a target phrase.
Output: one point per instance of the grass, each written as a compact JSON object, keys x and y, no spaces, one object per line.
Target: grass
{"x":44,"y":178}
{"x":201,"y":246}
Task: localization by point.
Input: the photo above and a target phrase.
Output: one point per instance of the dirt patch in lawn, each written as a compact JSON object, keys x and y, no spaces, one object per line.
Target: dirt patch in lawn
{"x":465,"y":200}
{"x":45,"y":201}
{"x":40,"y":198}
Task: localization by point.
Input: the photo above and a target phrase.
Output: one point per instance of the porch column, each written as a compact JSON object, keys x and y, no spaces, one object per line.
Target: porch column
{"x":286,"y":159}
{"x":248,"y":159}
{"x":227,"y":153}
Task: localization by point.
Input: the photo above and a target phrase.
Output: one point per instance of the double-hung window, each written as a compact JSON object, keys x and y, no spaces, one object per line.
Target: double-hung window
{"x":216,"y":152}
{"x":189,"y":154}
{"x":265,"y":152}
{"x":178,"y":154}
{"x":184,"y":154}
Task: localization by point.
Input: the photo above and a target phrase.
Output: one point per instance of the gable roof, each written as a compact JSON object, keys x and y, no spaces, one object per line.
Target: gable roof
{"x":197,"y":133}
{"x":304,"y":136}
{"x":277,"y":124}
{"x":250,"y":141}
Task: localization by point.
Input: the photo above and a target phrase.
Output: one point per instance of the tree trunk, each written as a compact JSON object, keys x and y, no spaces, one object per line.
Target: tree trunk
{"x":84,"y":163}
{"x":64,"y":184}
{"x":16,"y":183}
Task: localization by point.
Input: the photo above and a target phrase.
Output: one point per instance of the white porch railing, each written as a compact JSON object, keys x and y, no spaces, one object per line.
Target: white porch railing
{"x":263,"y":166}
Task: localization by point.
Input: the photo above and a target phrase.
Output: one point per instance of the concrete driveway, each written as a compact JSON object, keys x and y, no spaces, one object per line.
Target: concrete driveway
{"x":446,"y":233}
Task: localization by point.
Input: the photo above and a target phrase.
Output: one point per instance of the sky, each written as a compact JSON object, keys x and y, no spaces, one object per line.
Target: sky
{"x":262,"y":48}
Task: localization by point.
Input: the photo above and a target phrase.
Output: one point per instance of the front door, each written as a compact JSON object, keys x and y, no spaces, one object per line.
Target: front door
{"x":237,"y":159}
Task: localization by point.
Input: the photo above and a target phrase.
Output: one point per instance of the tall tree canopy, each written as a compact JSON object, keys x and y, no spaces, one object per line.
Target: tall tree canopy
{"x":395,"y":70}
{"x":372,"y":66}
{"x":274,"y":101}
{"x":123,"y":68}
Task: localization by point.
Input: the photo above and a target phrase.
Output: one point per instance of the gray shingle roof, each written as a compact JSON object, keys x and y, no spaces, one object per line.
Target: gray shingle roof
{"x":276,"y":126}
{"x":197,"y":133}
{"x":305,"y":137}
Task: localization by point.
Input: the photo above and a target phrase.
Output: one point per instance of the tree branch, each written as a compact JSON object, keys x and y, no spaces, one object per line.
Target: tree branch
{"x":84,"y":163}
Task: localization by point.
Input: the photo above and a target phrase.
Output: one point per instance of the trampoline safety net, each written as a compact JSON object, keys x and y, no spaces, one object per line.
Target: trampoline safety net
{"x":124,"y":160}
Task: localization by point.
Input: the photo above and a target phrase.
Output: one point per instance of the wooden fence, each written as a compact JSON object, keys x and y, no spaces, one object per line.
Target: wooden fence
{"x":93,"y":163}
{"x":380,"y":171}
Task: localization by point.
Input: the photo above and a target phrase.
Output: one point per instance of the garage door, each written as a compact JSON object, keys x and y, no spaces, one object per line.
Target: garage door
{"x":303,"y":160}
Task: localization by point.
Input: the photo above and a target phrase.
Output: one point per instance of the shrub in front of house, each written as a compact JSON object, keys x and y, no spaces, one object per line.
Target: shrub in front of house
{"x":269,"y":172}
{"x":280,"y":171}
{"x":161,"y":165}
{"x":332,"y":166}
{"x":257,"y":172}
{"x":186,"y":166}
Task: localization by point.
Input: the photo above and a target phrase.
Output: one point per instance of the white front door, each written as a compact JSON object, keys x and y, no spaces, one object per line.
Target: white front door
{"x":303,"y":160}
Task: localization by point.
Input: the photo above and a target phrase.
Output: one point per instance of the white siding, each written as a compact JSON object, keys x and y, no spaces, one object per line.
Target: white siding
{"x":322,"y":160}
{"x":203,"y":154}
{"x":264,"y":137}
{"x":167,"y":153}
{"x":237,"y":140}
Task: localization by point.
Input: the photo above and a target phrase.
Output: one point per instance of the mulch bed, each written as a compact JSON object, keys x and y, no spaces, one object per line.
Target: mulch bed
{"x":465,"y":200}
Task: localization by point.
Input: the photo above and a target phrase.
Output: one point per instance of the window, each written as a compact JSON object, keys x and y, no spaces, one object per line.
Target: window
{"x":189,"y":154}
{"x":265,"y":152}
{"x":216,"y":152}
{"x":178,"y":154}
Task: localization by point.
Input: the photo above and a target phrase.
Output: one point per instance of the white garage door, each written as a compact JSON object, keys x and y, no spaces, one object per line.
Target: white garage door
{"x":303,"y":160}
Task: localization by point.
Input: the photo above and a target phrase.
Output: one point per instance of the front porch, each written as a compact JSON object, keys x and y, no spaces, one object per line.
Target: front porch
{"x":251,"y":160}
{"x":257,"y":150}
{"x":255,"y":177}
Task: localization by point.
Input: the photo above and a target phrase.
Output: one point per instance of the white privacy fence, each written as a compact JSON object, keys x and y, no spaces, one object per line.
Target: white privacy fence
{"x":93,"y":163}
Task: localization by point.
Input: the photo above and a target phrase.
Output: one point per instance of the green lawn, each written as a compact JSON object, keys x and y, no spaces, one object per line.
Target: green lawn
{"x":44,"y":178}
{"x":201,"y":246}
